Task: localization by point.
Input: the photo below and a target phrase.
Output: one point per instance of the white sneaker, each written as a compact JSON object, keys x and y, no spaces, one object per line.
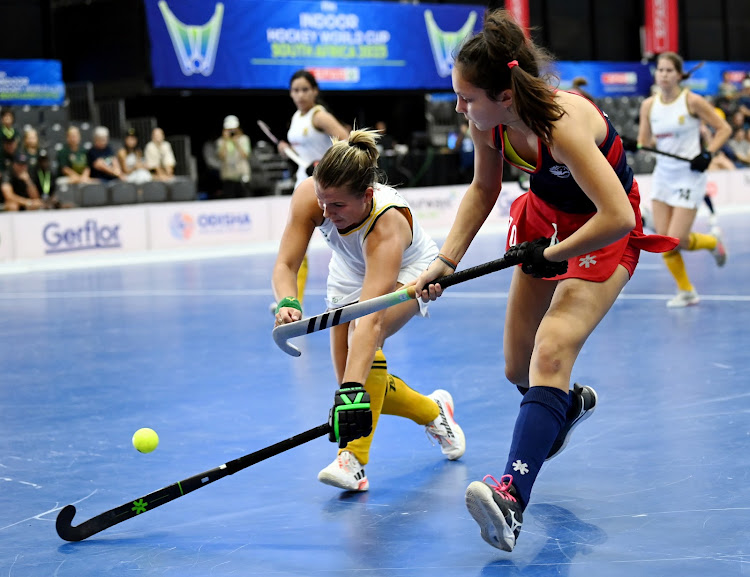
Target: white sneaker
{"x":684,"y":299}
{"x":720,"y":251}
{"x":444,"y":429}
{"x":346,"y":473}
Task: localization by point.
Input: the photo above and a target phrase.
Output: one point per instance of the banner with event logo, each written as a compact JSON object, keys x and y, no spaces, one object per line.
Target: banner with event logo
{"x":196,"y":224}
{"x":347,"y":45}
{"x":635,"y":79}
{"x":34,"y":82}
{"x":79,"y":232}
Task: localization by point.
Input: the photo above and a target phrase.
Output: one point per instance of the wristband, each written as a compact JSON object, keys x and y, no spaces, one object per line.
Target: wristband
{"x":289,"y":302}
{"x":450,"y":262}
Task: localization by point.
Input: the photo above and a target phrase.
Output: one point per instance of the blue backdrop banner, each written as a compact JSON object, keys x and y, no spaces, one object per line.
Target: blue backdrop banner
{"x":259,"y":44}
{"x":36,"y":82}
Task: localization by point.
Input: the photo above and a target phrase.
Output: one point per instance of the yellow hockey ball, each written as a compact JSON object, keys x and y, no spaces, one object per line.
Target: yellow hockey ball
{"x":145,"y":440}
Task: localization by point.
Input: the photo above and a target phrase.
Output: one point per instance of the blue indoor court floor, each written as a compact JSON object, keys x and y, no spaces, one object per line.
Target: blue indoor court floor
{"x":656,"y":483}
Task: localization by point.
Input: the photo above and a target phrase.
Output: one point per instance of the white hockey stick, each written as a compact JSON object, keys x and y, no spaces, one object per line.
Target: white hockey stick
{"x":293,"y":156}
{"x":283,"y":333}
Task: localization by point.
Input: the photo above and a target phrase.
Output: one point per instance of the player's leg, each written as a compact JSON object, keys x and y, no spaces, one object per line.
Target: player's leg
{"x":347,"y":471}
{"x":664,"y":215}
{"x":576,"y":308}
{"x":435,"y":411}
{"x":302,"y":279}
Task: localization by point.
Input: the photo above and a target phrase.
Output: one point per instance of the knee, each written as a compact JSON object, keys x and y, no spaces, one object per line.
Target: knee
{"x":551,"y":355}
{"x":517,"y":373}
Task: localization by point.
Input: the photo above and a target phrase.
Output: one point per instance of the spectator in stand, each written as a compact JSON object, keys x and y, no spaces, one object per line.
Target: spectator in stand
{"x":19,"y":190}
{"x":7,"y":120}
{"x":8,"y":153}
{"x":738,"y":120}
{"x":132,"y":161}
{"x":30,"y":147}
{"x":233,"y":149}
{"x":743,"y":101}
{"x":72,"y":161}
{"x":739,"y":147}
{"x":42,"y":178}
{"x":160,"y":158}
{"x":103,"y":162}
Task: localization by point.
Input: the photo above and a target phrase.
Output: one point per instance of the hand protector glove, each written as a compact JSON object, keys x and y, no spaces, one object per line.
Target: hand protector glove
{"x":530,"y":255}
{"x":350,"y":417}
{"x":700,"y":163}
{"x":629,"y":144}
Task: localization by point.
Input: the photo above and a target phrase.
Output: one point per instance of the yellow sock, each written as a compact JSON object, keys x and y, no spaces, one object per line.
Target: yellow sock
{"x":403,"y":401}
{"x":375,"y":385}
{"x":700,"y":241}
{"x":676,"y":266}
{"x":302,"y":280}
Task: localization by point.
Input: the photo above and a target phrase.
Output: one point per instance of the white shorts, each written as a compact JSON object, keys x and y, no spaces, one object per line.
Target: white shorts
{"x":685,"y":189}
{"x":345,"y":288}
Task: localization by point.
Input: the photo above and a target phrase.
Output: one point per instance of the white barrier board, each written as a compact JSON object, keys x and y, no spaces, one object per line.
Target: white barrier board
{"x":77,"y":233}
{"x":219,"y":222}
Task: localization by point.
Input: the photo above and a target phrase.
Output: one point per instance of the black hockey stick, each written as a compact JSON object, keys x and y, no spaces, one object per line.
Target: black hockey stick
{"x":632,"y":145}
{"x":283,"y":333}
{"x":148,"y":502}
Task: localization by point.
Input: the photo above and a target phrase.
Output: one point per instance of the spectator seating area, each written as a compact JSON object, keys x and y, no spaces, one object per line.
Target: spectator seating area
{"x":118,"y":192}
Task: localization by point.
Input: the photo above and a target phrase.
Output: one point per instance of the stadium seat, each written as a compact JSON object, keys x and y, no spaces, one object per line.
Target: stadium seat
{"x":123,"y":192}
{"x":154,"y":191}
{"x":182,"y":190}
{"x":94,"y":194}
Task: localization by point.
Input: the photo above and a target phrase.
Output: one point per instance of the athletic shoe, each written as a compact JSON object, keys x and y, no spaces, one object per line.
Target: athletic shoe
{"x":444,"y":429}
{"x":346,"y":473}
{"x":582,"y":406}
{"x":720,"y":251}
{"x":497,"y":511}
{"x":684,"y":299}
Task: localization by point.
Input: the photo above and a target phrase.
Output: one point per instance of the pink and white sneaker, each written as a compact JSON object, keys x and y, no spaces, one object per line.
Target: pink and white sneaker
{"x":346,"y":472}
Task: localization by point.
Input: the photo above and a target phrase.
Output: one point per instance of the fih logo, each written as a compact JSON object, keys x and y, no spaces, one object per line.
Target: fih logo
{"x":182,"y":226}
{"x":195,"y":46}
{"x":90,"y":236}
{"x":444,"y":43}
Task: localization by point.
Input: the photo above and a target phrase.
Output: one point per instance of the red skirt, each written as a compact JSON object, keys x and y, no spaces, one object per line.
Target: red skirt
{"x":531,"y":218}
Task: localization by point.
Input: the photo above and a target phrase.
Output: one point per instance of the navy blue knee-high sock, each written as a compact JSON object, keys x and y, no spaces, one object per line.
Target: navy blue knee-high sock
{"x":540,"y":418}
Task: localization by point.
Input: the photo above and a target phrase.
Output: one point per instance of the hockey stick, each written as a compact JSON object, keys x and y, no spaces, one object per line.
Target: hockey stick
{"x":283,"y":333}
{"x":293,"y":156}
{"x":148,"y":502}
{"x":632,"y":145}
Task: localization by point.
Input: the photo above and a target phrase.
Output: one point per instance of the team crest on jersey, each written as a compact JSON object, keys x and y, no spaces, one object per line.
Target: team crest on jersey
{"x":560,"y":171}
{"x":681,"y":119}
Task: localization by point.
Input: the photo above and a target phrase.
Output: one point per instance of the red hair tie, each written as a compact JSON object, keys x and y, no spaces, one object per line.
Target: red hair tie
{"x":512,"y":63}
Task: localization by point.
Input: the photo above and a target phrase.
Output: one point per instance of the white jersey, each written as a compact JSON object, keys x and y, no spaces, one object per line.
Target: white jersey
{"x":677,"y":132}
{"x":346,"y":270}
{"x":308,"y":142}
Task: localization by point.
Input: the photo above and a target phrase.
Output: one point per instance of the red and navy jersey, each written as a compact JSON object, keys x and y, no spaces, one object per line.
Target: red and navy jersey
{"x":552,"y":182}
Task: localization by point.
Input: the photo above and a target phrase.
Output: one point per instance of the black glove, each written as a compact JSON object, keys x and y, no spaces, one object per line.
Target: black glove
{"x":350,"y":417}
{"x":700,"y":163}
{"x":311,"y":168}
{"x":530,"y":255}
{"x":629,"y":144}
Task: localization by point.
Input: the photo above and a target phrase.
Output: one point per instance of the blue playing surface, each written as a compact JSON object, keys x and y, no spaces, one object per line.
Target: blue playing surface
{"x":655,"y":483}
